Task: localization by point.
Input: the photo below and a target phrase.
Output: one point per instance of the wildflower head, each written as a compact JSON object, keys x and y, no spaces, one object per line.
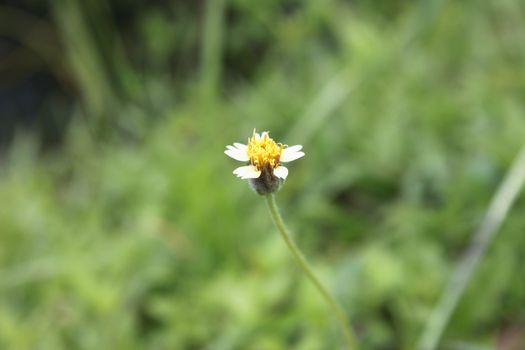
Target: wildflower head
{"x":263,"y":157}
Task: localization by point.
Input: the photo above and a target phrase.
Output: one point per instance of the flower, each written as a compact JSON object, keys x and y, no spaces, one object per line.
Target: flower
{"x":264,"y":157}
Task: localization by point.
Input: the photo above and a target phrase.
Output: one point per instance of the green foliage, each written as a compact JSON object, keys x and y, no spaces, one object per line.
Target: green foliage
{"x":135,"y":235}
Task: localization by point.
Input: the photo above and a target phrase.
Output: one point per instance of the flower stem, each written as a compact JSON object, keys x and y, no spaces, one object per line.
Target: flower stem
{"x":300,"y":259}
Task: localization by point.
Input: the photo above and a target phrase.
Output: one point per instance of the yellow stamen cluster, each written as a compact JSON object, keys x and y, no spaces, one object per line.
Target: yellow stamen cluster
{"x":263,"y":151}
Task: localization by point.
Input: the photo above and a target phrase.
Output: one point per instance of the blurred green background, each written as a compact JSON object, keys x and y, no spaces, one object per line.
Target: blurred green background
{"x":122,"y":227}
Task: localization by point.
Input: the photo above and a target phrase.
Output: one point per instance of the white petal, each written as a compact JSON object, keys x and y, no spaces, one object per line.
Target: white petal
{"x":291,"y":153}
{"x":247,"y":172}
{"x":295,"y":148}
{"x":237,"y":146}
{"x":281,"y":172}
{"x":237,"y":154}
{"x":241,"y":146}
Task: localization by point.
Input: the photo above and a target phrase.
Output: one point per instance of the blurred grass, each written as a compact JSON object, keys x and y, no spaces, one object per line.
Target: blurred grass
{"x":134,"y":234}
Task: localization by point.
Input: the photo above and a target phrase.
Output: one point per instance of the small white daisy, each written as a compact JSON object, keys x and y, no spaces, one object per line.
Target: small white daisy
{"x":264,"y":157}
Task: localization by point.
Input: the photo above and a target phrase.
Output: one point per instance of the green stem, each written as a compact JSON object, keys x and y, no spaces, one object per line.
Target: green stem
{"x":211,"y":47}
{"x":339,"y":313}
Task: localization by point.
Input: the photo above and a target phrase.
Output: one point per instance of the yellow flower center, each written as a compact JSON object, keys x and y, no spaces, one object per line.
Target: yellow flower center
{"x":263,"y":151}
